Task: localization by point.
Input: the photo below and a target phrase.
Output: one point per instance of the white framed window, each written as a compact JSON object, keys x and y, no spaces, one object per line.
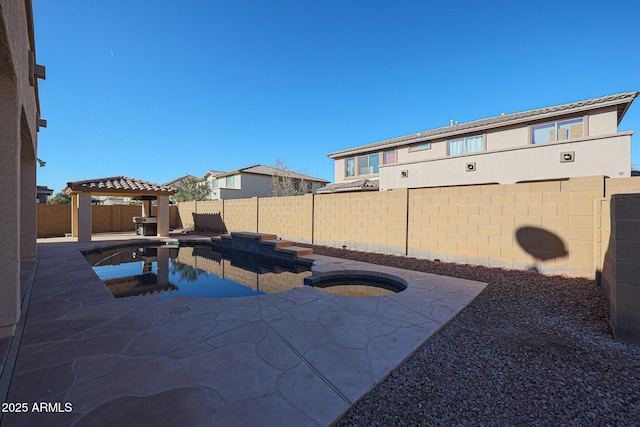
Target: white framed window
{"x":368,"y":164}
{"x":471,"y":144}
{"x":389,"y":157}
{"x":420,"y":146}
{"x":350,"y":166}
{"x":557,"y":131}
{"x":215,"y":183}
{"x":230,"y":181}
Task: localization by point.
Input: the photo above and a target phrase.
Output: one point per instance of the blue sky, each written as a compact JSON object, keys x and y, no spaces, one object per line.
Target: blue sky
{"x":157,"y":89}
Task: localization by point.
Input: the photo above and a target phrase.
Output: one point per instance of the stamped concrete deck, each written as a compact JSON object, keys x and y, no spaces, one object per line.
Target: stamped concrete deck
{"x":299,"y":358}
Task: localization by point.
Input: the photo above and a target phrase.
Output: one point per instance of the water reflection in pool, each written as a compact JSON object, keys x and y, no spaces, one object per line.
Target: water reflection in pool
{"x":197,"y":271}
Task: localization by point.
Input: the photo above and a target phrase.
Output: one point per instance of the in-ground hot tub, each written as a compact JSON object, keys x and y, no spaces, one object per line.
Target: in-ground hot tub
{"x":360,"y":284}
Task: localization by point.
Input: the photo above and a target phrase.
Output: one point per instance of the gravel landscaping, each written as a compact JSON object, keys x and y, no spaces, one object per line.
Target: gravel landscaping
{"x":531,"y":350}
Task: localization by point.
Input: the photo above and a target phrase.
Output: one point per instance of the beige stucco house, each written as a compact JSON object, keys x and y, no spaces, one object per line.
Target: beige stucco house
{"x":256,"y":181}
{"x":563,"y":141}
{"x":19,"y":124}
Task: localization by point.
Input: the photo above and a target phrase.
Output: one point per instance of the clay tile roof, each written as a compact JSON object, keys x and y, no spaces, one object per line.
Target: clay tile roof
{"x":358,"y":185}
{"x":621,"y":100}
{"x":271,"y":171}
{"x":119,"y":185}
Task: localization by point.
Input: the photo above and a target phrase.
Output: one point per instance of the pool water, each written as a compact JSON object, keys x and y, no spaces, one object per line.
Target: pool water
{"x":197,"y":271}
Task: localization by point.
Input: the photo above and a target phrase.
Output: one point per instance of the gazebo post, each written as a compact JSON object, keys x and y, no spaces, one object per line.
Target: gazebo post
{"x":163,"y":216}
{"x":74,"y":215}
{"x":84,"y":217}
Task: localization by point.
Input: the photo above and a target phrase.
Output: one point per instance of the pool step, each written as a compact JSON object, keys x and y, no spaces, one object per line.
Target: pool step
{"x":267,"y":245}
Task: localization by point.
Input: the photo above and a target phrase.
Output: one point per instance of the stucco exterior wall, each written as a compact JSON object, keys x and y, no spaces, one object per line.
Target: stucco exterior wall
{"x":507,"y":138}
{"x":19,"y":141}
{"x":338,"y":171}
{"x":603,"y":122}
{"x":608,"y":156}
{"x":601,"y":153}
{"x":249,"y":185}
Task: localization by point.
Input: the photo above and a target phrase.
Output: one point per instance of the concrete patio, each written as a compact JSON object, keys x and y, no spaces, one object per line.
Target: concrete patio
{"x":300,"y":357}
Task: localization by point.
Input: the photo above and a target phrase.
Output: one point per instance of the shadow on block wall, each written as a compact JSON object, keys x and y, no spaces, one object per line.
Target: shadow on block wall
{"x":541,"y":244}
{"x":209,"y":222}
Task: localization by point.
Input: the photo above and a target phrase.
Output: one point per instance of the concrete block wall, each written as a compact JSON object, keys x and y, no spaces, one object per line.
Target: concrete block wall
{"x":547,"y":226}
{"x":290,"y":218}
{"x":557,"y":226}
{"x":209,"y":214}
{"x":241,"y":214}
{"x":370,"y":221}
{"x":621,"y":272}
{"x":185,"y":215}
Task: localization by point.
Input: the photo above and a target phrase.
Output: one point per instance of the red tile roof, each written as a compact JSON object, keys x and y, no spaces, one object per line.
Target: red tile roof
{"x":357,"y":185}
{"x":119,"y":185}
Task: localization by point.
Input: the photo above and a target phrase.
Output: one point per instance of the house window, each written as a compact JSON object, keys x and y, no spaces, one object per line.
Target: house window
{"x":421,"y":146}
{"x":389,"y":157}
{"x":557,"y":131}
{"x":368,"y":164}
{"x":350,"y":166}
{"x":215,"y":183}
{"x":230,"y":181}
{"x":472,"y":144}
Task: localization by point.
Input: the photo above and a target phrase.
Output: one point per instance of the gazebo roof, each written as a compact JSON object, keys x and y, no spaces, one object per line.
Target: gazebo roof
{"x":118,"y":185}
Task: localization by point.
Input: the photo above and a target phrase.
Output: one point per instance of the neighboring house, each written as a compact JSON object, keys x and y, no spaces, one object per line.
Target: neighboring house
{"x":209,"y":178}
{"x":114,"y":200}
{"x":176,"y":182}
{"x":256,"y":181}
{"x":576,"y":139}
{"x":42,"y":194}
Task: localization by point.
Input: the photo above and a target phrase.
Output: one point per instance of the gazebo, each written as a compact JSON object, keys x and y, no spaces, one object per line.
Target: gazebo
{"x":81,"y":192}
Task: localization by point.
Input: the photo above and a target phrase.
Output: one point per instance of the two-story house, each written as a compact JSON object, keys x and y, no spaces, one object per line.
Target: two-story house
{"x":259,"y":181}
{"x":563,"y":141}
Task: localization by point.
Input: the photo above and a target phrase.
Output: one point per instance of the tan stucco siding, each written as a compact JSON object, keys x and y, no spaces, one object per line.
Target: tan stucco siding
{"x":603,"y":156}
{"x":507,"y":138}
{"x":19,"y":141}
{"x":603,"y":122}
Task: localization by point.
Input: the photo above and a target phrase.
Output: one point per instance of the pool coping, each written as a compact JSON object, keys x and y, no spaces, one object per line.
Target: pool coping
{"x":301,"y":357}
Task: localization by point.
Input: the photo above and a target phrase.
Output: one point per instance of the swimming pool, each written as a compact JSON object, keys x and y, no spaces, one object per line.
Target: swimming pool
{"x":198,"y":271}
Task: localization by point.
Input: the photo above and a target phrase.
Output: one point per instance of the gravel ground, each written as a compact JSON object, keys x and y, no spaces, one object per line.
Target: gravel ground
{"x":530,"y":350}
